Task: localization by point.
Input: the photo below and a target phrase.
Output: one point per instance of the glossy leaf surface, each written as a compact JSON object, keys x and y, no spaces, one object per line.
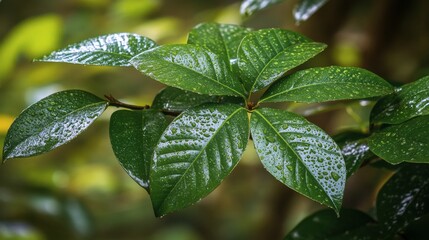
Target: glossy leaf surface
{"x":355,"y":150}
{"x":195,"y":153}
{"x":327,"y":84}
{"x":221,"y":39}
{"x":300,"y":155}
{"x":134,"y":135}
{"x":52,"y":122}
{"x":265,"y":55}
{"x":409,"y":101}
{"x":107,"y":50}
{"x":404,"y":198}
{"x":189,"y":67}
{"x":306,"y":8}
{"x":407,"y":141}
{"x":325,"y":225}
{"x":176,"y":100}
{"x":248,"y":7}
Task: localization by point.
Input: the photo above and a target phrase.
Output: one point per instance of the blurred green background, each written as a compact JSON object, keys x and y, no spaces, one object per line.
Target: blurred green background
{"x":79,"y":191}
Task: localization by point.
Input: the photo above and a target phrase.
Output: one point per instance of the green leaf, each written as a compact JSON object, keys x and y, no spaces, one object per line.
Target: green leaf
{"x":248,"y":7}
{"x":221,"y":39}
{"x":355,"y":150}
{"x":52,"y":122}
{"x":189,"y":67}
{"x":195,"y":153}
{"x":300,"y":155}
{"x":404,"y":198}
{"x":134,"y":135}
{"x":265,"y":55}
{"x":325,"y":224}
{"x":176,"y":100}
{"x":306,"y":8}
{"x":107,"y":50}
{"x":409,"y":101}
{"x":327,"y":84}
{"x":406,"y":142}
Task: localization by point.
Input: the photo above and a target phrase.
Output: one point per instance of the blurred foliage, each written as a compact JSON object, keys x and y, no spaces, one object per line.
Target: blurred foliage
{"x":80,"y":191}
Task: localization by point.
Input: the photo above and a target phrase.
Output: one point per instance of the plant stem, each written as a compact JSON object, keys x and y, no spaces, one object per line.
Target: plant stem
{"x":116,"y":103}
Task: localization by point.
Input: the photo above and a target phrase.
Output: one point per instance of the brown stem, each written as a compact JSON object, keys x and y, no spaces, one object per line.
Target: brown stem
{"x":116,"y":103}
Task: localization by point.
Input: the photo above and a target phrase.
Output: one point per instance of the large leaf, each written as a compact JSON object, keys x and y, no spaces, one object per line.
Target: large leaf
{"x":265,"y":55}
{"x":107,"y":50}
{"x":134,"y":135}
{"x":409,"y":101}
{"x":191,"y":68}
{"x":306,"y":8}
{"x":404,"y":198}
{"x":195,"y":153}
{"x":355,"y":150}
{"x":52,"y":122}
{"x":327,"y":84}
{"x":176,"y":100}
{"x":406,"y":142}
{"x":222,"y":39}
{"x":300,"y":155}
{"x":325,"y":225}
{"x":248,"y":7}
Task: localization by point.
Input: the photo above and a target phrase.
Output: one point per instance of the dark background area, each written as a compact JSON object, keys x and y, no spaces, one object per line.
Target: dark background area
{"x":79,"y":191}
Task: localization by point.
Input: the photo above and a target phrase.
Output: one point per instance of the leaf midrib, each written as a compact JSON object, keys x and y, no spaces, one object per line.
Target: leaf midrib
{"x":270,"y":61}
{"x":198,"y":156}
{"x":198,"y":73}
{"x":320,"y":84}
{"x":296,"y":154}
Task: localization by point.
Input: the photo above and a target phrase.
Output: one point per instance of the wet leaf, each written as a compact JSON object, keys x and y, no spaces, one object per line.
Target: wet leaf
{"x":325,"y":225}
{"x":221,"y":39}
{"x":409,"y":101}
{"x":404,"y":198}
{"x":52,"y":122}
{"x":107,"y":50}
{"x":248,"y":7}
{"x":134,"y":135}
{"x":190,"y":68}
{"x":355,"y":150}
{"x":405,"y":142}
{"x":195,"y":153}
{"x":265,"y":55}
{"x":176,"y":100}
{"x":300,"y":155}
{"x":306,"y":8}
{"x":327,"y":84}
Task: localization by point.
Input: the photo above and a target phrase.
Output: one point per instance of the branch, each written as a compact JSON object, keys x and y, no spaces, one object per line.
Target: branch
{"x":116,"y":103}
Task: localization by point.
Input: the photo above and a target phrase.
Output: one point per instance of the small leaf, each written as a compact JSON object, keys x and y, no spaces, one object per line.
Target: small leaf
{"x":195,"y":153}
{"x":327,"y":84}
{"x":300,"y":155}
{"x":107,"y":50}
{"x":52,"y":122}
{"x":248,"y":7}
{"x":404,"y":198}
{"x":409,"y":101}
{"x":134,"y":135}
{"x":189,"y":67}
{"x":355,"y":150}
{"x":265,"y":55}
{"x":325,"y":225}
{"x":221,"y":39}
{"x":176,"y":100}
{"x":406,"y":142}
{"x":306,"y":8}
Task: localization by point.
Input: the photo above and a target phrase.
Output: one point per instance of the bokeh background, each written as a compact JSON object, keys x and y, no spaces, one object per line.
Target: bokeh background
{"x":79,"y":191}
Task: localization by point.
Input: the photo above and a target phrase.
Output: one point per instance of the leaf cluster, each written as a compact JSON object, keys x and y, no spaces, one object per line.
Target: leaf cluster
{"x":195,"y":132}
